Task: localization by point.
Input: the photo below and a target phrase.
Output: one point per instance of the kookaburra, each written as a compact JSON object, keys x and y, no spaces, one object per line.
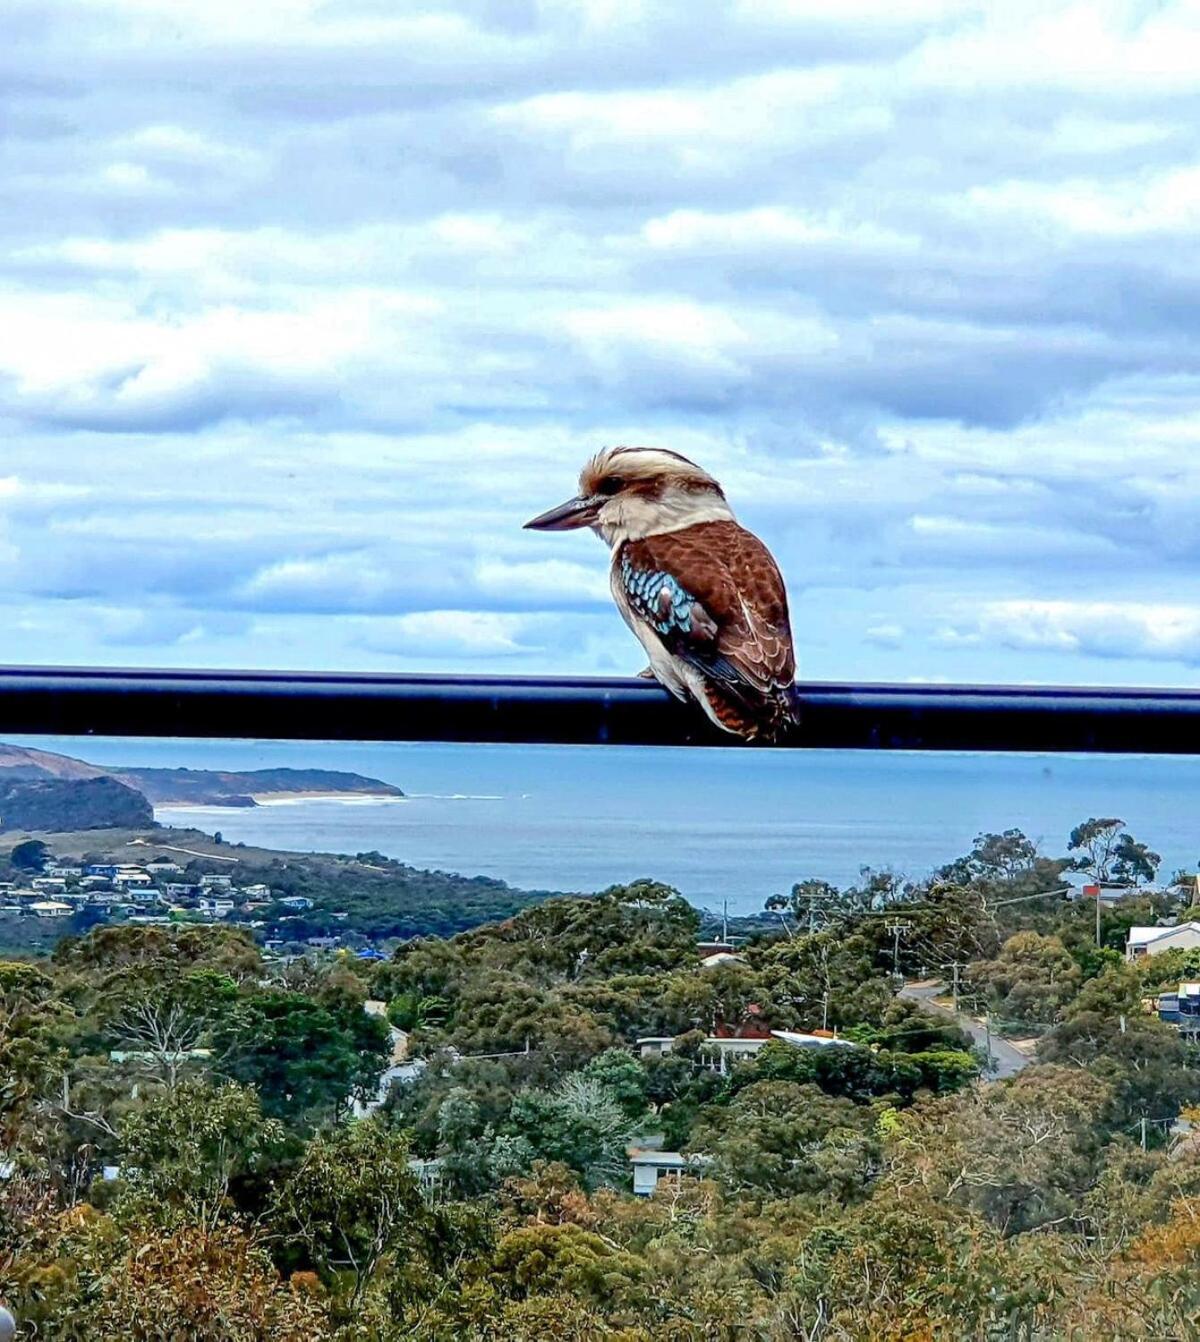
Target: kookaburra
{"x":702,"y":594}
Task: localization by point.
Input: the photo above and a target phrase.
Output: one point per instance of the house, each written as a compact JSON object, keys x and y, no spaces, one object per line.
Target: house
{"x":651,"y":1166}
{"x":398,"y":1074}
{"x":57,"y":869}
{"x":1151,"y":940}
{"x":49,"y":908}
{"x":296,"y":902}
{"x":106,"y":869}
{"x":373,"y":1007}
{"x":1078,"y":885}
{"x":1181,"y":1008}
{"x":321,"y":943}
{"x":211,"y":881}
{"x":182,"y":890}
{"x":721,"y":958}
{"x":162,"y":866}
{"x":428,"y":1174}
{"x":56,"y":884}
{"x":213,"y":906}
{"x":720,"y":1051}
{"x":143,"y":1055}
{"x":258,"y":891}
{"x":129,"y":877}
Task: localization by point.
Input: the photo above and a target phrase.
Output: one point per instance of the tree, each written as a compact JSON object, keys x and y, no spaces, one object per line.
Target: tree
{"x":781,"y":1138}
{"x":162,"y":1025}
{"x":181,"y":1151}
{"x":623,"y":1077}
{"x":215,"y":1285}
{"x":305,"y":1060}
{"x":29,"y":856}
{"x":1148,"y":1067}
{"x":1031,"y":980}
{"x":917,"y":1268}
{"x":1094,"y":843}
{"x":812,"y":903}
{"x":569,"y":1261}
{"x":1004,"y":857}
{"x":353,"y":1203}
{"x":1021,"y":1152}
{"x":1134,"y":862}
{"x":579,"y":1123}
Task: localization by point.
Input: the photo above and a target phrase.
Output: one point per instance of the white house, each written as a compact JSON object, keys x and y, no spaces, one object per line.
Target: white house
{"x":651,"y":1166}
{"x":721,"y":1052}
{"x":296,"y":902}
{"x":212,"y":881}
{"x":213,"y":906}
{"x":49,"y":908}
{"x":1152,"y":940}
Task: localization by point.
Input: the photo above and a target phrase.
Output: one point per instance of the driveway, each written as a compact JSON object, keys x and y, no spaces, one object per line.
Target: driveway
{"x":1006,"y":1060}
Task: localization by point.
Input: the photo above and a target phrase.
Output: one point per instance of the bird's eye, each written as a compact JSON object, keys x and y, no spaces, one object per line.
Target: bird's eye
{"x":610,"y":485}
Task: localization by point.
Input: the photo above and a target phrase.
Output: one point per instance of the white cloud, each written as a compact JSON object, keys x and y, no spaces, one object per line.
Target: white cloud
{"x":1096,"y":628}
{"x":306,"y":307}
{"x":453,"y":633}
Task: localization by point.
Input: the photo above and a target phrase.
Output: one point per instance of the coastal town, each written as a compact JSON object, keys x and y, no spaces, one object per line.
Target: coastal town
{"x":157,"y":892}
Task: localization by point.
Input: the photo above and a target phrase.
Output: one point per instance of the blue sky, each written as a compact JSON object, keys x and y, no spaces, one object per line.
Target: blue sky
{"x":305,"y":307}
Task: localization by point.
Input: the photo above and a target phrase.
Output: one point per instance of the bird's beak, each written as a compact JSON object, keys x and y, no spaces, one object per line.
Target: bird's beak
{"x":578,"y":512}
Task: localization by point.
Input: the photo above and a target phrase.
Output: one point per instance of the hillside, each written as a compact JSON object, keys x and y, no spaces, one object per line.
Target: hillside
{"x":206,"y":787}
{"x":192,"y":787}
{"x":71,"y":803}
{"x":369,"y":896}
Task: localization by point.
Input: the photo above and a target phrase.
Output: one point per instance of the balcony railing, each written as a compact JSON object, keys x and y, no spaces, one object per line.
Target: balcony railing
{"x":582,"y":710}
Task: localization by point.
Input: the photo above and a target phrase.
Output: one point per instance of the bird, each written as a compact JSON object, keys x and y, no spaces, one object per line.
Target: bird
{"x":702,"y":594}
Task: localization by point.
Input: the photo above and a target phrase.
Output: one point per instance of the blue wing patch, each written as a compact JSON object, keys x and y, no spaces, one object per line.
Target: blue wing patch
{"x":659,"y":599}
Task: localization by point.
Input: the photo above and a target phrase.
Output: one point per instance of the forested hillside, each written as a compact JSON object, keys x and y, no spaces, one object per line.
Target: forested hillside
{"x":182,"y":1161}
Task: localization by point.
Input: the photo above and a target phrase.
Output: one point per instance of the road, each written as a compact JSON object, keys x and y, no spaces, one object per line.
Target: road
{"x":1006,"y":1060}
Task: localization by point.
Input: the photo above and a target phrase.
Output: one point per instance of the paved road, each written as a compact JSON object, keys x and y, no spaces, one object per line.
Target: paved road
{"x":1006,"y":1060}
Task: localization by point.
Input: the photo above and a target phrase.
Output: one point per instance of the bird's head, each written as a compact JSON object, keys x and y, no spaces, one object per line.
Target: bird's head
{"x":626,"y":493}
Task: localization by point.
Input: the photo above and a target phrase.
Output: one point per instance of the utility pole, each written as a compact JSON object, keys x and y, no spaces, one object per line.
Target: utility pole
{"x":954,"y":968}
{"x":896,"y":927}
{"x":1143,"y":1132}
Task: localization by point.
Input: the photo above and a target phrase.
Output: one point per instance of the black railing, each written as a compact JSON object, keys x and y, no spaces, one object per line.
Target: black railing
{"x":285,"y":705}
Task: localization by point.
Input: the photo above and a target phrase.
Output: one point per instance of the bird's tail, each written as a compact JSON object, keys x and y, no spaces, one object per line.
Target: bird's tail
{"x":766,"y":719}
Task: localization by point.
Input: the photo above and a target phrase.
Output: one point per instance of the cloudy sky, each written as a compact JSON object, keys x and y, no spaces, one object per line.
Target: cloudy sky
{"x":305,"y":305}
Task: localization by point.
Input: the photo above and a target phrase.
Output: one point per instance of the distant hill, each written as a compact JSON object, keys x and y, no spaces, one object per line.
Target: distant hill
{"x":194,"y":787}
{"x":205,"y":787}
{"x":71,"y":803}
{"x":23,"y":762}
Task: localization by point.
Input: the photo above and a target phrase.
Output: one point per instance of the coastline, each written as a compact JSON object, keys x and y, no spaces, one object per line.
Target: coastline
{"x":278,"y":799}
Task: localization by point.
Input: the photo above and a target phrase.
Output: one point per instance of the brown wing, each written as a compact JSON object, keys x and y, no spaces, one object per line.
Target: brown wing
{"x":741,"y":636}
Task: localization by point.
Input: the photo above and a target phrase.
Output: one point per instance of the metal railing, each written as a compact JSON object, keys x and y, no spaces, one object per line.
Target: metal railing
{"x":73,"y":701}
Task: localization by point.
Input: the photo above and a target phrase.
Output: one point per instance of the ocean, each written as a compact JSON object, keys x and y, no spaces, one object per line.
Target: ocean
{"x":735,"y":825}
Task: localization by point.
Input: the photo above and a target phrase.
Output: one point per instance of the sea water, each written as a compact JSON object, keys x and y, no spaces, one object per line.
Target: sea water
{"x":736,"y":825}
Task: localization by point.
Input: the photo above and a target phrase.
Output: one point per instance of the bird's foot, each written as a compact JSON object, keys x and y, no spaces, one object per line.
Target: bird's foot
{"x":646,"y":673}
